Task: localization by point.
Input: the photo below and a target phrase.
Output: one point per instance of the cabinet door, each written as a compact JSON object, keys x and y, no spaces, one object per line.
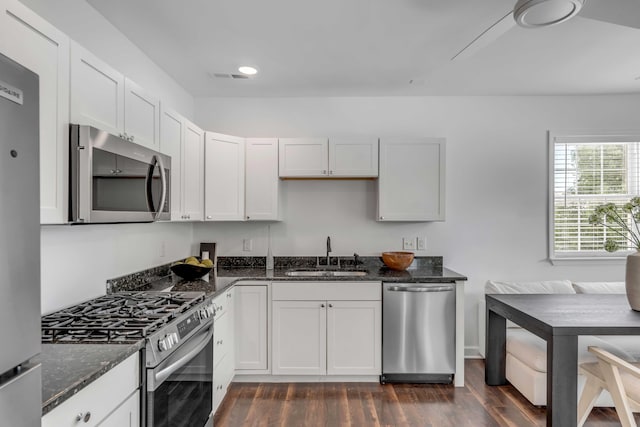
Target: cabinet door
{"x":224,"y":178}
{"x":353,"y":157}
{"x":171,"y":141}
{"x":193,"y":172}
{"x":354,"y":337}
{"x":250,"y":327}
{"x":126,"y":415}
{"x":411,"y":182}
{"x":141,"y":116}
{"x":299,"y":338}
{"x":30,"y":40}
{"x":303,"y":157}
{"x":97,"y":92}
{"x":261,"y":187}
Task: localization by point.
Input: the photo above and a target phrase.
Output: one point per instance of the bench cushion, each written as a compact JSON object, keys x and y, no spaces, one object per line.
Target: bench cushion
{"x":542,"y":287}
{"x":599,"y":287}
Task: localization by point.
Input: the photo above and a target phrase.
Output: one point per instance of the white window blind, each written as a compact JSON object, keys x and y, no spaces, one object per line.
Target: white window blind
{"x":589,"y":170}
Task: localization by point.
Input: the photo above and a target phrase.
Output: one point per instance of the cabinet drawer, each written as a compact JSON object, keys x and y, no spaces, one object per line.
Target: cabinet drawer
{"x":221,"y":337}
{"x":99,"y":398}
{"x":322,"y":291}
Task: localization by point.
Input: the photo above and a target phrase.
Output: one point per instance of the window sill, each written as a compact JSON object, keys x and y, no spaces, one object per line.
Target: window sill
{"x":589,"y":260}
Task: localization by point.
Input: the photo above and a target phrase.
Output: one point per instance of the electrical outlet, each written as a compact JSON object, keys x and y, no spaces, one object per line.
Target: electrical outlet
{"x":247,"y":245}
{"x":408,"y":243}
{"x":421,"y":243}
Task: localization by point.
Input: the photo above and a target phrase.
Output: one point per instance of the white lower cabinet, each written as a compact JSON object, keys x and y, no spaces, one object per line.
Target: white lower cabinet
{"x":339,"y":332}
{"x":251,"y":327}
{"x":113,"y":400}
{"x":223,"y":346}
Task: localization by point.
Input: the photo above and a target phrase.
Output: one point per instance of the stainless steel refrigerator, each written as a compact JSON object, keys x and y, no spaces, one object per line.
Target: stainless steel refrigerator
{"x":20,"y":379}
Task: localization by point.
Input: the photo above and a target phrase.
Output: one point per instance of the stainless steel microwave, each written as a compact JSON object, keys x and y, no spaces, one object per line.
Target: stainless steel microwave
{"x":113,"y":180}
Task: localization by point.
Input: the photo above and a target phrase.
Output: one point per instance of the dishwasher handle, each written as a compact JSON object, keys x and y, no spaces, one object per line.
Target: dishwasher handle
{"x":421,"y":288}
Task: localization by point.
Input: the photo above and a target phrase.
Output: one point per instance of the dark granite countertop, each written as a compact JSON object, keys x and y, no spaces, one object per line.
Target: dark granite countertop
{"x":68,"y":368}
{"x":226,"y":275}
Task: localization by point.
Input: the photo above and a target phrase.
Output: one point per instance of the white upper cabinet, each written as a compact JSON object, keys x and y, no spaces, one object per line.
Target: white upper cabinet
{"x":103,"y":98}
{"x":353,"y":157}
{"x":411,"y":182}
{"x":193,"y":172}
{"x":262,"y":183}
{"x":303,"y":157}
{"x":97,"y":92}
{"x":141,"y":115}
{"x":224,"y":178}
{"x":30,"y":40}
{"x":184,"y":142}
{"x":171,"y":141}
{"x":328,"y":158}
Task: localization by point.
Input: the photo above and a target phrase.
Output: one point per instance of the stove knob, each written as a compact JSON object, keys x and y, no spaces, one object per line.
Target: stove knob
{"x":162,"y":344}
{"x":175,"y":337}
{"x":211,"y":310}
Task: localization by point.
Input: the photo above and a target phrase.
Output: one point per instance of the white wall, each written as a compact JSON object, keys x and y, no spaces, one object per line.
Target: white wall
{"x":85,"y":25}
{"x":77,"y":260}
{"x":497,"y":177}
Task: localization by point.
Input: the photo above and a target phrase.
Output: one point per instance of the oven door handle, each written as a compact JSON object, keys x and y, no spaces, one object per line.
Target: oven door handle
{"x":160,"y":376}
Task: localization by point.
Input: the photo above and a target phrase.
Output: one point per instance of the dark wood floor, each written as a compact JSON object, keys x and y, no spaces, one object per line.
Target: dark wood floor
{"x":371,"y":404}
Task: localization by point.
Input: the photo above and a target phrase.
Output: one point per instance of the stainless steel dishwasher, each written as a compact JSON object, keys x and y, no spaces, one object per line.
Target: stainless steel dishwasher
{"x":418,"y":332}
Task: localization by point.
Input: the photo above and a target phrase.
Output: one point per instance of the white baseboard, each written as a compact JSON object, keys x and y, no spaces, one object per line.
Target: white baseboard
{"x":306,"y":379}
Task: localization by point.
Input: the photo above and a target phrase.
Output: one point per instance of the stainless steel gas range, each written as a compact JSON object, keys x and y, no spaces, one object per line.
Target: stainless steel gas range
{"x":178,"y":331}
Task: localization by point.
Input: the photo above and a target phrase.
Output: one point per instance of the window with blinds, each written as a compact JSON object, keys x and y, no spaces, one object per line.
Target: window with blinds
{"x":590,"y":170}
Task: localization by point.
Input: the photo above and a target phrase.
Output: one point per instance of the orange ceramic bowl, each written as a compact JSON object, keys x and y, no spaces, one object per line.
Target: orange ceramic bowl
{"x":397,"y":260}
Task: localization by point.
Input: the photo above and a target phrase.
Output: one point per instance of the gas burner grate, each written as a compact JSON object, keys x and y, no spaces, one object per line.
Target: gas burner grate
{"x":124,"y":317}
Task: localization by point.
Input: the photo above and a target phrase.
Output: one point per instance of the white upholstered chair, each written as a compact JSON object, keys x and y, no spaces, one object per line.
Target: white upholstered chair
{"x":620,"y":378}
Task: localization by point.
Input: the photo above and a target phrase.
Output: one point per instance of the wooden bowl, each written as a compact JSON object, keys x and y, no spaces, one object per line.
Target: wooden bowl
{"x":397,"y":260}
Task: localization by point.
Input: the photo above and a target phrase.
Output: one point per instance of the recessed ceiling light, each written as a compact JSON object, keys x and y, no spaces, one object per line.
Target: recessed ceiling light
{"x":249,"y":71}
{"x":542,"y":13}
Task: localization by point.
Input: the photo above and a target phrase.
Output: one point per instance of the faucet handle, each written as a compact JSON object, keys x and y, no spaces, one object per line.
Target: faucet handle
{"x":356,"y":259}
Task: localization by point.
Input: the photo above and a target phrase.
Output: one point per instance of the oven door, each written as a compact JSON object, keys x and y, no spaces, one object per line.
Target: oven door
{"x":180,"y":389}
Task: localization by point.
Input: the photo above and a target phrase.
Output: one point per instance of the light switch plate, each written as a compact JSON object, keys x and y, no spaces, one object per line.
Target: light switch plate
{"x":408,"y":243}
{"x":247,"y":245}
{"x":422,"y":243}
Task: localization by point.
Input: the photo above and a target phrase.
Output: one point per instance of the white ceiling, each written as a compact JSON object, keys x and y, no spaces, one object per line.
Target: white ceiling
{"x":374,"y":48}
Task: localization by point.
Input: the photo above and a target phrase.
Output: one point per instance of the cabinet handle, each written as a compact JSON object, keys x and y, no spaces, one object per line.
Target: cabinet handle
{"x":84,"y":416}
{"x":229,"y":295}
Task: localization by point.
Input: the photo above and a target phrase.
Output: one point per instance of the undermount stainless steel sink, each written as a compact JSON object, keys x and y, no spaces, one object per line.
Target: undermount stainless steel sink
{"x":326,"y":273}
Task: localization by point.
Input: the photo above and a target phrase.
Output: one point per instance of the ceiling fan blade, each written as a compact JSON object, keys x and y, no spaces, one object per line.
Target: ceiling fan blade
{"x":487,"y":37}
{"x":620,"y":12}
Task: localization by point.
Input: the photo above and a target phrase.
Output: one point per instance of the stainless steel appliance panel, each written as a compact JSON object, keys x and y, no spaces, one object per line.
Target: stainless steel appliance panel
{"x":114,"y":180}
{"x":20,"y":383}
{"x":180,"y":388}
{"x":19,"y":215}
{"x":418,"y":332}
{"x":21,"y":399}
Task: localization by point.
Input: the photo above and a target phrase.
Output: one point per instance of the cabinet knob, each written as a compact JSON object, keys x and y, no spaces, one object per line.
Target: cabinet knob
{"x":324,"y":172}
{"x":321,"y":305}
{"x":330,"y":172}
{"x":330,"y":305}
{"x":84,"y":416}
{"x":208,"y":216}
{"x":381,"y":217}
{"x":131,"y":138}
{"x":248,"y":217}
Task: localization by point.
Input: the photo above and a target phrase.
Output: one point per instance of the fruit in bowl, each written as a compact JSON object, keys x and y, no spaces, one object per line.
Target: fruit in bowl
{"x":192,"y":268}
{"x":397,"y":260}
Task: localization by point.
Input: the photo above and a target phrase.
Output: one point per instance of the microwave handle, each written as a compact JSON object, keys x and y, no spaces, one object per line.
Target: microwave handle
{"x":156,"y":162}
{"x":163,"y":179}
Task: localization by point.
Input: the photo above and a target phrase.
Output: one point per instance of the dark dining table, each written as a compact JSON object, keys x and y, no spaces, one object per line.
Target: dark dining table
{"x":558,"y":319}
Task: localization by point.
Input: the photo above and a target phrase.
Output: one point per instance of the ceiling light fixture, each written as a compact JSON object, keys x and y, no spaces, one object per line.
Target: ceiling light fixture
{"x":542,"y":13}
{"x":249,"y":71}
